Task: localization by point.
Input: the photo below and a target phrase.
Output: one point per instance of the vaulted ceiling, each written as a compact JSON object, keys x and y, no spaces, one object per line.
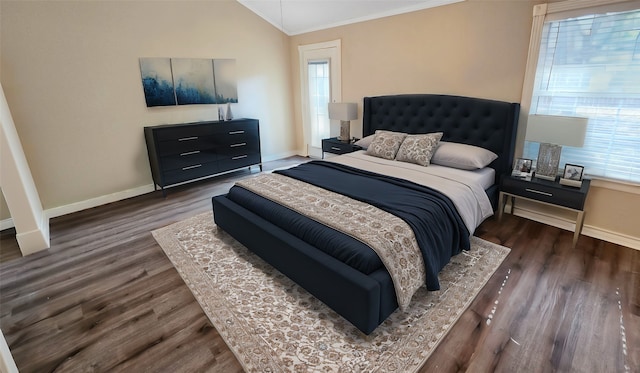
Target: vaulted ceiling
{"x":299,"y":16}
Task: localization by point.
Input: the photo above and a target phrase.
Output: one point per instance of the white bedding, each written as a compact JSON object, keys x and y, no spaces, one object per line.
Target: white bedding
{"x":464,"y":188}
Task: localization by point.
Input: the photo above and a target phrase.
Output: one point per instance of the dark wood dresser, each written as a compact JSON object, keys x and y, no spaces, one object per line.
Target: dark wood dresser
{"x":179,"y":153}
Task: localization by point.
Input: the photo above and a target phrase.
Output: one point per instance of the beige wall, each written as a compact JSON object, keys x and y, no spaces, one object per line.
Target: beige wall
{"x":70,"y":72}
{"x":474,"y":48}
{"x":71,"y":76}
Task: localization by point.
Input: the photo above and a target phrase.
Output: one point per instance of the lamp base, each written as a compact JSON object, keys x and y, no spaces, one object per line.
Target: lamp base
{"x":572,"y":183}
{"x":544,"y":177}
{"x":548,"y":161}
{"x":345,"y":131}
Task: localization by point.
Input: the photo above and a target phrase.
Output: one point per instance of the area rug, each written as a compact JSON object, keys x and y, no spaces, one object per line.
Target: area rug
{"x":273,"y":325}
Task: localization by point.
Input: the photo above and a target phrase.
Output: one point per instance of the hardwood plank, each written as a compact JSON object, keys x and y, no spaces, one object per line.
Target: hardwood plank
{"x":106,"y":298}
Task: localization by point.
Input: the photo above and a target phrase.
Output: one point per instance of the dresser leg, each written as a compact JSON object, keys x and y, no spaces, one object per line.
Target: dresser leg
{"x":501,"y":202}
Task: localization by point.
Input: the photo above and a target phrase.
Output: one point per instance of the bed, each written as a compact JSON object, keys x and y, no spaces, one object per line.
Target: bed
{"x":298,"y":236}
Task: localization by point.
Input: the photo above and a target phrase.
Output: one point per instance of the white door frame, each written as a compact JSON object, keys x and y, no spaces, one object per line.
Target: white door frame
{"x":330,"y":50}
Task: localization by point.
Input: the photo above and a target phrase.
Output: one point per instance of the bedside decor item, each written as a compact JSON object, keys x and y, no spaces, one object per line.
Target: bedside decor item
{"x":344,"y":112}
{"x":229,"y":115}
{"x":523,"y":168}
{"x":572,"y":175}
{"x":552,"y":132}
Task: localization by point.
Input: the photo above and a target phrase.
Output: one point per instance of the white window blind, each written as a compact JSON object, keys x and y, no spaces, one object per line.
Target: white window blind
{"x":590,"y":67}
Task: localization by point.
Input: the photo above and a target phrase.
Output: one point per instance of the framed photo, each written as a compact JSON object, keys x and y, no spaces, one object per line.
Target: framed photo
{"x":573,"y":172}
{"x":522,"y":168}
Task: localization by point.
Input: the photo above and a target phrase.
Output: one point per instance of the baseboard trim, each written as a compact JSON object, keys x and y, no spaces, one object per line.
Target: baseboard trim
{"x":114,"y":197}
{"x":36,"y":239}
{"x":587,"y":230}
{"x":98,"y":201}
{"x":6,"y":224}
{"x":279,"y":156}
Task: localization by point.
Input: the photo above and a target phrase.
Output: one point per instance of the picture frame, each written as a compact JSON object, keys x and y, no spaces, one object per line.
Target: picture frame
{"x":523,"y":168}
{"x":573,"y":172}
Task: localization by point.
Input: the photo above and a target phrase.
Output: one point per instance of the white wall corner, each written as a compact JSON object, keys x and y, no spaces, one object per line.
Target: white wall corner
{"x":18,"y":187}
{"x":7,"y":365}
{"x":35,"y":240}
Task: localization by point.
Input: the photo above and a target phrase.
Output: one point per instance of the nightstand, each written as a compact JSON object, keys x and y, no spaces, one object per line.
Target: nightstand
{"x":545,"y":192}
{"x":335,"y":146}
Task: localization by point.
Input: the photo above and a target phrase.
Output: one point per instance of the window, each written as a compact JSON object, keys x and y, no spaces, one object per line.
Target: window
{"x":589,"y":66}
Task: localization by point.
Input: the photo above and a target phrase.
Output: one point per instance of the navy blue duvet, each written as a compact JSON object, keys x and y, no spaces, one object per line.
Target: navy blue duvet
{"x":439,"y":229}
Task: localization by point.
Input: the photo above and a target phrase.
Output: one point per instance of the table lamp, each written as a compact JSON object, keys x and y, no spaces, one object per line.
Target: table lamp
{"x":553,"y":132}
{"x":345,"y":113}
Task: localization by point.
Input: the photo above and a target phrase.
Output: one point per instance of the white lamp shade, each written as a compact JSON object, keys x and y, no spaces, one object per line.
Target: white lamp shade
{"x":343,"y":111}
{"x":555,"y":129}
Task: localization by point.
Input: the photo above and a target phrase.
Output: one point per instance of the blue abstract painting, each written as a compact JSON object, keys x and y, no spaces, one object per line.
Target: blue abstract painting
{"x":224,"y":71}
{"x":157,"y":81}
{"x":193,"y":79}
{"x":188,"y":81}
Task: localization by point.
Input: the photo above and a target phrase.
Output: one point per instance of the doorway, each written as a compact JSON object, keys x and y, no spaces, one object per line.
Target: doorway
{"x":320,"y":81}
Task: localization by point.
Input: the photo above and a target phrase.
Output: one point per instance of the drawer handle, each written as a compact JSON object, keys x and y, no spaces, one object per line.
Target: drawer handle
{"x":190,"y":153}
{"x":188,"y":138}
{"x":335,"y":148}
{"x":239,"y":144}
{"x":236,"y":132}
{"x":190,"y":167}
{"x":240,"y":157}
{"x":539,"y":192}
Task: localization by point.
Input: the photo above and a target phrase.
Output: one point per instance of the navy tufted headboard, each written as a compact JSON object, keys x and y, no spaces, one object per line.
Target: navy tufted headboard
{"x":475,"y":121}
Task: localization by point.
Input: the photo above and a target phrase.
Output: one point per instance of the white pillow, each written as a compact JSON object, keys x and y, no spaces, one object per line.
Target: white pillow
{"x":462,"y":156}
{"x":418,"y":149}
{"x":365,"y":141}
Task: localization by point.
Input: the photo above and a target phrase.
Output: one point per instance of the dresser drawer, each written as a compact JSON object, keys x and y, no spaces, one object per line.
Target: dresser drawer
{"x":233,"y":149}
{"x":238,"y":161}
{"x":186,"y":159}
{"x":549,"y":192}
{"x":238,"y":136}
{"x":336,"y":146}
{"x":179,"y":132}
{"x":190,"y":172}
{"x":186,"y":145}
{"x":236,"y":129}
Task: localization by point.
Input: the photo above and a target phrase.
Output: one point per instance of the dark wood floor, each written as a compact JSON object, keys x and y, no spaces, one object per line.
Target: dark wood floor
{"x":106,"y":298}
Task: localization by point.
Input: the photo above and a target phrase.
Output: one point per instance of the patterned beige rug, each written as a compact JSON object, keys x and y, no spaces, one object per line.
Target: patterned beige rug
{"x":273,"y":325}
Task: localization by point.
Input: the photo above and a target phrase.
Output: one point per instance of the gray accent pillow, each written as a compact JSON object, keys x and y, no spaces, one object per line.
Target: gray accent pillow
{"x":462,"y":156}
{"x":418,"y":149}
{"x":385,"y":144}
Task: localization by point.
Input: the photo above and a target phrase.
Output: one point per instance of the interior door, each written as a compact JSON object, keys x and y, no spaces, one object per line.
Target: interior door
{"x":320,"y":78}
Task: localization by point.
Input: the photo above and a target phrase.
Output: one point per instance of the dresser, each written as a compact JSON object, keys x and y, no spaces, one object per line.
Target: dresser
{"x":184,"y":152}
